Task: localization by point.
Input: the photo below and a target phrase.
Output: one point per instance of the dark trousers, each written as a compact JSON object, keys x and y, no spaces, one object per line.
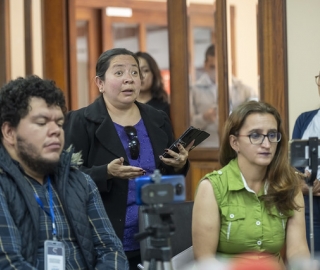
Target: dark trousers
{"x":316,"y":222}
{"x":134,"y":258}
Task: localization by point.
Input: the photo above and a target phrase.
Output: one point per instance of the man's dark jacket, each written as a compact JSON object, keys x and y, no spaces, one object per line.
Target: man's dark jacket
{"x":72,"y":189}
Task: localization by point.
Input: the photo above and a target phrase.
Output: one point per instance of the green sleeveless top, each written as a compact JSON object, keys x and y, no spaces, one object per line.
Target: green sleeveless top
{"x":246,"y":225}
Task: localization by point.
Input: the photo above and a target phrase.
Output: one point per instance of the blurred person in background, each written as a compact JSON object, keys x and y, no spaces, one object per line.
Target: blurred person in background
{"x":152,"y":91}
{"x":204,"y":99}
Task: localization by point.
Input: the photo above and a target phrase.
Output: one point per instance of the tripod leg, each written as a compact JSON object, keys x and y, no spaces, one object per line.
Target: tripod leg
{"x":167,"y":266}
{"x":311,"y":223}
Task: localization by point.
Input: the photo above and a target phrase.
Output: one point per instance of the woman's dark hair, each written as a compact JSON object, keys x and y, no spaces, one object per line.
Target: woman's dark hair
{"x":157,"y":86}
{"x":284,"y":184}
{"x":15,"y":98}
{"x":105,"y":58}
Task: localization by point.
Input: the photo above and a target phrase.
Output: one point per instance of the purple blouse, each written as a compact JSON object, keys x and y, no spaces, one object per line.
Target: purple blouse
{"x":145,"y":161}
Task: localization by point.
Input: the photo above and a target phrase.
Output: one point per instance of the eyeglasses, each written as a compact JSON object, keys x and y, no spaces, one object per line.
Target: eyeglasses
{"x":134,"y":144}
{"x":318,"y":79}
{"x":257,"y":138}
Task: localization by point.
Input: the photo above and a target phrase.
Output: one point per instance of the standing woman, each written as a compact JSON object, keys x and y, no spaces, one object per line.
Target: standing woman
{"x":152,"y":89}
{"x":121,"y":139}
{"x":254,"y":203}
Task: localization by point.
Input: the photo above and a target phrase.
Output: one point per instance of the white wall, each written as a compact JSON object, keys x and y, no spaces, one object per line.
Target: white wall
{"x":17,"y":38}
{"x":37,"y":38}
{"x":303,"y":39}
{"x":246,"y":47}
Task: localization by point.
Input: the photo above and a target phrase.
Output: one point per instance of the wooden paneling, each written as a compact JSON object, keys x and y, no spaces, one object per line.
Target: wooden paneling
{"x":143,"y":5}
{"x":72,"y":56}
{"x":28,"y":36}
{"x":222,"y":59}
{"x":107,"y":39}
{"x":93,"y":19}
{"x":178,"y":55}
{"x":178,"y":58}
{"x":55,"y":44}
{"x":197,"y":171}
{"x":5,"y":64}
{"x":273,"y":55}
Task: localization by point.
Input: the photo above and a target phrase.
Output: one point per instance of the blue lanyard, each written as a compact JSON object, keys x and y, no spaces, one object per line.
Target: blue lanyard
{"x":51,"y":214}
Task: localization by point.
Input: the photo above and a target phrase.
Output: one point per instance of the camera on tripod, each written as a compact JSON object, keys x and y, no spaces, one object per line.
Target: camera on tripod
{"x":158,"y":189}
{"x":157,"y":192}
{"x":303,"y":153}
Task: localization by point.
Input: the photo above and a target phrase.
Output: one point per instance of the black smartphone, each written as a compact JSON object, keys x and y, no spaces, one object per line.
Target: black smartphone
{"x":186,"y":138}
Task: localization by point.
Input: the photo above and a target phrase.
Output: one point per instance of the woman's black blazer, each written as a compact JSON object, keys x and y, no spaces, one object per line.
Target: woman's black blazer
{"x":91,"y":131}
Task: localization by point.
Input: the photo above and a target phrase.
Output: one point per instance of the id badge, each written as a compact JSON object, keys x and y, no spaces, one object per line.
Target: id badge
{"x":54,"y":255}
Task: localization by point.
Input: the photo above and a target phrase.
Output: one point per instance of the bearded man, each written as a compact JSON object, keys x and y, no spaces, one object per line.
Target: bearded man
{"x":51,"y":214}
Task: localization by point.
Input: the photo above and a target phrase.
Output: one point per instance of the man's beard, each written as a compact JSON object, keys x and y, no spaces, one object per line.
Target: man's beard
{"x":27,"y":152}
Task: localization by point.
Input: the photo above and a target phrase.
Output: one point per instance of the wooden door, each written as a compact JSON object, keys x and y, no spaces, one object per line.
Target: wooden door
{"x":272,"y":61}
{"x":89,"y":43}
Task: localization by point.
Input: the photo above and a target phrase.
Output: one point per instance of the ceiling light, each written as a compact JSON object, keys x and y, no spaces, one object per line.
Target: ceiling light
{"x":118,"y":12}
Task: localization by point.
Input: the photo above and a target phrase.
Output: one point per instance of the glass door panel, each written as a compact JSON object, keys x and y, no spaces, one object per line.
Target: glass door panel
{"x":126,"y":35}
{"x":82,"y":63}
{"x":242,"y":51}
{"x":203,"y":97}
{"x":157,"y":46}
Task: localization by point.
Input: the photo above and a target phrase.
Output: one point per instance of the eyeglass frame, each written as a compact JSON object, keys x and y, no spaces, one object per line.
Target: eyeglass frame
{"x":264,"y":136}
{"x":134,"y":143}
{"x":317,"y":79}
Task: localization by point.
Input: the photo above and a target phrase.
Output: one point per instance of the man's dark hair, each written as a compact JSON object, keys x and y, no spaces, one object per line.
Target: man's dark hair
{"x":210,"y":52}
{"x":15,"y":98}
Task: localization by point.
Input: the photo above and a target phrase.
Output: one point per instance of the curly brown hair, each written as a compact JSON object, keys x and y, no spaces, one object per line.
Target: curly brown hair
{"x":16,"y":94}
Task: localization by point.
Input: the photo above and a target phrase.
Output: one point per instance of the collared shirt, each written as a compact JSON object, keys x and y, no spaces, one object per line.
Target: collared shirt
{"x":246,"y":224}
{"x":64,"y":232}
{"x":103,"y":236}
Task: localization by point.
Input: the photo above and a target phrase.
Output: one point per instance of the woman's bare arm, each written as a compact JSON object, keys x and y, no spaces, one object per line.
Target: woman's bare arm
{"x":205,"y":222}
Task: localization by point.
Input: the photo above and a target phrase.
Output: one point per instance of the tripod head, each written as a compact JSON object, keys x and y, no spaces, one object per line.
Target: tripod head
{"x":158,"y":231}
{"x":305,"y":153}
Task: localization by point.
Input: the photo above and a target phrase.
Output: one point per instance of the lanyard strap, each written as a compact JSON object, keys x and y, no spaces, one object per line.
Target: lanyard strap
{"x":51,"y":214}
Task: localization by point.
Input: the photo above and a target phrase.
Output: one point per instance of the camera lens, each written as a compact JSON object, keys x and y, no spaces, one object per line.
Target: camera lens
{"x":179,"y":189}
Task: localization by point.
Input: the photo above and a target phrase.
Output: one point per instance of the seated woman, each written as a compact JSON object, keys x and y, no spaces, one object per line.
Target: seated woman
{"x":253,"y":206}
{"x":152,"y":90}
{"x":121,"y":139}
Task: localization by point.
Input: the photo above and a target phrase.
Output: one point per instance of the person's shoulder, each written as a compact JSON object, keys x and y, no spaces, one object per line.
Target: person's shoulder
{"x":308,"y":113}
{"x":225,"y":174}
{"x":94,"y":112}
{"x":204,"y":82}
{"x":158,"y":104}
{"x":150,"y":110}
